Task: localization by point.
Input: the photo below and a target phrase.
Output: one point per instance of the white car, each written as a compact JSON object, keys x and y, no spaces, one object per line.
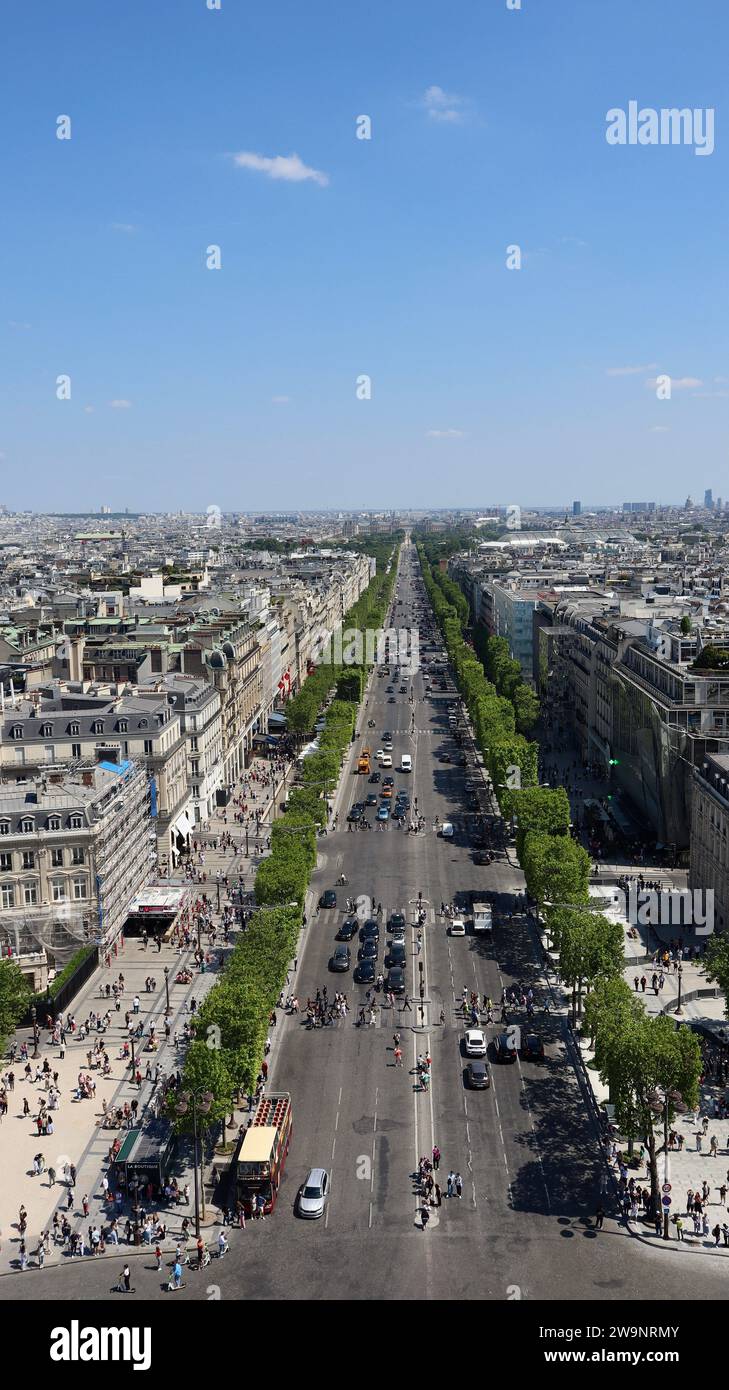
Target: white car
{"x":458,"y":927}
{"x":386,"y":760}
{"x":446,"y":830}
{"x":313,"y":1194}
{"x":476,"y":1045}
{"x":380,"y":753}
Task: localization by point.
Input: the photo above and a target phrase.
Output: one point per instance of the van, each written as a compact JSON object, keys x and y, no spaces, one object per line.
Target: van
{"x":406,"y":763}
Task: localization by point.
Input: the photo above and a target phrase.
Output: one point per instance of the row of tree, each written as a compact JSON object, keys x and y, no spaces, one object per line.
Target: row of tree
{"x":225,"y":1056}
{"x":650,"y":1065}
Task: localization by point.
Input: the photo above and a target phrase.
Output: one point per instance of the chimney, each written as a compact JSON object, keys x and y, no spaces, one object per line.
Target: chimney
{"x":76,"y":647}
{"x":87,"y":777}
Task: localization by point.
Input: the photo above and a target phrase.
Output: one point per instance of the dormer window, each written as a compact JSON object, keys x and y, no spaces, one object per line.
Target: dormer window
{"x":97,"y":727}
{"x":4,"y":827}
{"x":75,"y":822}
{"x":53,"y":823}
{"x":122,"y":726}
{"x":27,"y":825}
{"x":74,"y":729}
{"x":16,"y":731}
{"x":143,"y":723}
{"x":46,"y":731}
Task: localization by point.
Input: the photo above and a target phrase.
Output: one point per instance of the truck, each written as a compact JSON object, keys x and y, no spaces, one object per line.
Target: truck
{"x":259,"y":1161}
{"x":482,"y":919}
{"x":364,"y":761}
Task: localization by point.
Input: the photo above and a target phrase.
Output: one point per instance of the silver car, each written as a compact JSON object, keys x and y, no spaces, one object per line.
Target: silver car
{"x":314,"y":1193}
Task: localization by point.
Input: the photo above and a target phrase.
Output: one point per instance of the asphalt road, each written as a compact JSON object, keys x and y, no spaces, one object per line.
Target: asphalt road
{"x":526,"y":1148}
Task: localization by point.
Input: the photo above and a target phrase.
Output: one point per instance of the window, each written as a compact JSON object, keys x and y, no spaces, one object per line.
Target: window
{"x":30,"y":894}
{"x":148,"y":745}
{"x":27,"y":825}
{"x":195,"y":767}
{"x":6,"y":862}
{"x":143,"y":723}
{"x":20,"y":755}
{"x":16,"y":731}
{"x":58,"y":891}
{"x":195,"y":789}
{"x":7,"y":895}
{"x":53,"y":823}
{"x":122,"y":726}
{"x":75,"y":822}
{"x":97,"y":727}
{"x":50,"y":753}
{"x":193,"y":744}
{"x":75,"y":750}
{"x":74,"y":729}
{"x":28,"y":858}
{"x":56,"y":858}
{"x":46,"y":731}
{"x":79,"y":888}
{"x":4,"y":827}
{"x":78,"y":855}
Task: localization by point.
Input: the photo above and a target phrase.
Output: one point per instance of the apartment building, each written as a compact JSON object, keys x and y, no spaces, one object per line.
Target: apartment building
{"x":75,"y":846}
{"x":709,"y":859}
{"x":198,"y":705}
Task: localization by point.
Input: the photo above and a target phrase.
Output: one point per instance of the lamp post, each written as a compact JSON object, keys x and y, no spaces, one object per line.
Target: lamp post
{"x":218,"y":890}
{"x":679,"y":1010}
{"x":34,"y":1018}
{"x":134,"y":1064}
{"x":201,"y":1101}
{"x":663,"y":1105}
{"x":167,"y":987}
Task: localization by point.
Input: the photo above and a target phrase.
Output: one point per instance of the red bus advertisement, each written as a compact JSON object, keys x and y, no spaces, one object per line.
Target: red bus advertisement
{"x":262,"y":1155}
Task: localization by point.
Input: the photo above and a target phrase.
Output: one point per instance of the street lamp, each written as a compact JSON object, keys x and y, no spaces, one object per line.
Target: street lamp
{"x":672,"y":1100}
{"x":167,"y":987}
{"x":34,"y":1018}
{"x":679,"y":1010}
{"x":201,"y":1101}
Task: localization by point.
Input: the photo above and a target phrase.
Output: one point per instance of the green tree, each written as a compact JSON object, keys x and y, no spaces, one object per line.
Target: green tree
{"x":15,"y":996}
{"x":204,"y":1071}
{"x":590,"y":948}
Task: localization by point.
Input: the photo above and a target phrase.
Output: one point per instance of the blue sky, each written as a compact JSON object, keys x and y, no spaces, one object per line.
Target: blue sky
{"x":384,"y":257}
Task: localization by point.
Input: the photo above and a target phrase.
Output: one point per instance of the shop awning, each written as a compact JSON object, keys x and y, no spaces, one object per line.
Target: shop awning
{"x":183,"y":826}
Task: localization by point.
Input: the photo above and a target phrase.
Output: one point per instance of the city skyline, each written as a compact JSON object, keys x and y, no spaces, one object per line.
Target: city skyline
{"x":343,"y":258}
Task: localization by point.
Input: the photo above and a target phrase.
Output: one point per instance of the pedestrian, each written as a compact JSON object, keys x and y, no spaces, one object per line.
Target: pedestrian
{"x":716,"y":1233}
{"x":449,"y":1184}
{"x":85,"y":1204}
{"x":722,"y":1195}
{"x":714,"y":1147}
{"x":679,"y":1228}
{"x":459,"y":1185}
{"x":436,"y":1158}
{"x":599,"y":1217}
{"x":643,"y":983}
{"x":698,"y":1141}
{"x":398,"y":1056}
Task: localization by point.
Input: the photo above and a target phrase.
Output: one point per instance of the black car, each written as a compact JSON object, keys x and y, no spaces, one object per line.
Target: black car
{"x":374,"y":777}
{"x":370,"y":931}
{"x":463,"y":760}
{"x":397,"y":920}
{"x":387,"y":736}
{"x":445,"y":757}
{"x":328,"y":898}
{"x":402,"y":799}
{"x":482,"y":856}
{"x":532,"y":1048}
{"x":364,"y":972}
{"x":391,"y":699}
{"x":371,"y":799}
{"x":341,"y":959}
{"x":395,"y":980}
{"x":477,"y":1075}
{"x":369,"y":949}
{"x":504,"y":1050}
{"x":348,"y":929}
{"x":390,"y":689}
{"x":389,"y":782}
{"x":403,"y":690}
{"x":355,"y":814}
{"x":396,"y":955}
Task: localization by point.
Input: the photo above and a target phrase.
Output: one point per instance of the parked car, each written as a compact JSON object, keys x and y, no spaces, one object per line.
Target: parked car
{"x":341,"y":959}
{"x":476,"y":1045}
{"x":477,"y":1075}
{"x":313,"y":1194}
{"x":348,"y":929}
{"x":328,"y":898}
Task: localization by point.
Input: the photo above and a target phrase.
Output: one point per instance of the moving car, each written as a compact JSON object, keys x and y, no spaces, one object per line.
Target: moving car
{"x":477,"y":1076}
{"x":374,"y":777}
{"x":383,"y":813}
{"x":445,"y":757}
{"x":458,"y":927}
{"x":396,"y":955}
{"x":313,"y":1194}
{"x":398,"y":936}
{"x":395,"y":980}
{"x":505,"y":1049}
{"x":406,"y":763}
{"x":532,"y":1048}
{"x":328,"y":898}
{"x":389,"y":782}
{"x":371,"y":799}
{"x":370,"y":930}
{"x":476,"y":1045}
{"x":364,"y":972}
{"x":341,"y":959}
{"x":348,"y":929}
{"x":396,"y":920}
{"x":446,"y":830}
{"x":387,"y":736}
{"x":482,"y":856}
{"x":369,"y":949}
{"x":386,"y":760}
{"x":391,"y":699}
{"x":355,"y":814}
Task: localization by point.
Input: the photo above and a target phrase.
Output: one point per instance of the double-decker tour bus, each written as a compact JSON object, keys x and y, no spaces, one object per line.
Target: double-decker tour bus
{"x":261,"y":1155}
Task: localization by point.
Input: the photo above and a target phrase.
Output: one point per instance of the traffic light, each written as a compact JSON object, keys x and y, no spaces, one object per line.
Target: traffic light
{"x":612,"y":762}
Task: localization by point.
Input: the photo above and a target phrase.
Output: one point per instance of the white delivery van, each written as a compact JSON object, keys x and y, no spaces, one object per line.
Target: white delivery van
{"x":482,"y":919}
{"x":406,"y":763}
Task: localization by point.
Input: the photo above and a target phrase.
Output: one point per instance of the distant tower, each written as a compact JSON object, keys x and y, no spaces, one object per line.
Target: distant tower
{"x":709,"y":500}
{"x":577,"y":509}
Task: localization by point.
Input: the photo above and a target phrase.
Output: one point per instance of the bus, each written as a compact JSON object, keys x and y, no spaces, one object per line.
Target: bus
{"x":259,"y":1161}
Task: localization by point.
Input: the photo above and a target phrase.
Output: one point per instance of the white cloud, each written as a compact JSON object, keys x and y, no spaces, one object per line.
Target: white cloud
{"x":120,"y":405}
{"x":12,"y":323}
{"x":678,"y":383}
{"x":88,"y":410}
{"x":659,"y":429}
{"x":123,"y":227}
{"x":445,"y":434}
{"x":442,"y":107}
{"x":280,"y":400}
{"x":631,"y":371}
{"x":288,"y":167}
